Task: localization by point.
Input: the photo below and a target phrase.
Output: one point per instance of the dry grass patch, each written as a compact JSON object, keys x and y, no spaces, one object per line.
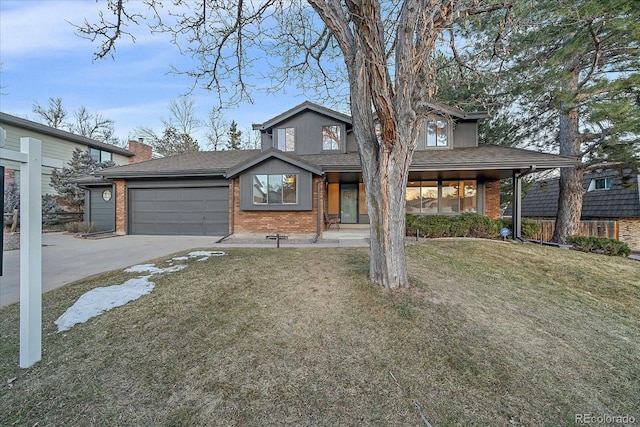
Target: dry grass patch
{"x":491,"y":334}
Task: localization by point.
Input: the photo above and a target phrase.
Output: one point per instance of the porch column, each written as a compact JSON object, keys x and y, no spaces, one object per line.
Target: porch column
{"x":516,"y":211}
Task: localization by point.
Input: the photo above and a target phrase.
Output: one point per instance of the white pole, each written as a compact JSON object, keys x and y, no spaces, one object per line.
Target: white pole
{"x":31,"y":253}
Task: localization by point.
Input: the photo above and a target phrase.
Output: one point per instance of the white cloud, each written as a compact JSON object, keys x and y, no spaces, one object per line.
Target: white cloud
{"x":43,"y":27}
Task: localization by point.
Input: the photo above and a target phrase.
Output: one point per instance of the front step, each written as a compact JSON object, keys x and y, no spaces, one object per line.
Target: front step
{"x":346,"y":234}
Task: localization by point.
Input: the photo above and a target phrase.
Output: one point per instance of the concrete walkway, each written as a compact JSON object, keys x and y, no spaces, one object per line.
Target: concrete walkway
{"x":66,"y":259}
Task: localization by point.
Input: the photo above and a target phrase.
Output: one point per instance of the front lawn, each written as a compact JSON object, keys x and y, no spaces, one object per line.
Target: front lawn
{"x":492,"y":333}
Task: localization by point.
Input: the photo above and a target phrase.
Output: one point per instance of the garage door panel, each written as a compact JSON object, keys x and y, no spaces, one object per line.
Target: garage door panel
{"x":173,"y":211}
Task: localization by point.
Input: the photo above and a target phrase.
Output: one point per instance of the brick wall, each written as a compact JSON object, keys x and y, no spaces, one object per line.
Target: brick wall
{"x":629,"y":232}
{"x":121,"y":206}
{"x":269,"y":222}
{"x":492,"y":199}
{"x":142,"y":151}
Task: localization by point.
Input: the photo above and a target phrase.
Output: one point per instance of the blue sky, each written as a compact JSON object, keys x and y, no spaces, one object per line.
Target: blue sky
{"x":42,"y":58}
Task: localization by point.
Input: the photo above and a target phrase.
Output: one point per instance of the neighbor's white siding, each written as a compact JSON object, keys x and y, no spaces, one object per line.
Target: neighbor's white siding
{"x":52,"y":147}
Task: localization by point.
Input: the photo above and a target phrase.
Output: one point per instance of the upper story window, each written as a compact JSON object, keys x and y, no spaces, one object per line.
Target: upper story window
{"x":286,"y":139}
{"x":600,"y":184}
{"x":331,"y":139}
{"x":279,"y":189}
{"x":100,"y":155}
{"x":437,"y":135}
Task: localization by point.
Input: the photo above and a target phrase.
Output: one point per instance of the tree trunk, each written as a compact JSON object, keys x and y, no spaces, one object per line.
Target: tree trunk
{"x":386,"y":183}
{"x":571,"y":190}
{"x":385,"y":169}
{"x":569,"y":204}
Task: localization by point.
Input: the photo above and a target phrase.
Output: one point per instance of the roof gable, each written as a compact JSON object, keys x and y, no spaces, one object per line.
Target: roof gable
{"x":273,"y":154}
{"x":299,"y":109}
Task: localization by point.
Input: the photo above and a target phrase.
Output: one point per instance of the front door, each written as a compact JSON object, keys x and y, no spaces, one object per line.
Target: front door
{"x":349,"y":203}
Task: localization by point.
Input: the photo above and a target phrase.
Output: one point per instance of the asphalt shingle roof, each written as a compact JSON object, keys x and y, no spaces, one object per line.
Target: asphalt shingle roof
{"x":218,"y":163}
{"x":621,"y":201}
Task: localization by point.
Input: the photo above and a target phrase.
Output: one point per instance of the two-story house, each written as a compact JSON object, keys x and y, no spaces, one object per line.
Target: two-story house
{"x":58,"y":144}
{"x":308,"y":166}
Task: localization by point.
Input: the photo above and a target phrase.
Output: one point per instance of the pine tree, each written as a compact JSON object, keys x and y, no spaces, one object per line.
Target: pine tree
{"x":571,"y":85}
{"x":80,"y":164}
{"x":235,"y":141}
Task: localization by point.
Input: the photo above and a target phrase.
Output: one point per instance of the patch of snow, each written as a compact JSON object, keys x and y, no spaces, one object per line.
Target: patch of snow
{"x":204,"y":254}
{"x":97,"y":301}
{"x":151,"y":268}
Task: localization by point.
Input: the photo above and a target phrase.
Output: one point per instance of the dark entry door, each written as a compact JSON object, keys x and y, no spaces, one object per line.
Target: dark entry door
{"x":349,"y":203}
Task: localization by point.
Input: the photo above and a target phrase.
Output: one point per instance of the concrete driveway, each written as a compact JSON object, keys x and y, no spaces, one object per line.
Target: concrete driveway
{"x":66,"y":259}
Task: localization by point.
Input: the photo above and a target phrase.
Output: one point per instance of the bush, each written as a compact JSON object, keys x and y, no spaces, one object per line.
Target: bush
{"x":464,"y":225}
{"x":529,"y":229}
{"x":81,"y":227}
{"x":602,"y":245}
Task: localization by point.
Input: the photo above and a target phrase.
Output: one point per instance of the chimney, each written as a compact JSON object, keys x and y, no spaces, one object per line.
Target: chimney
{"x":142,"y":151}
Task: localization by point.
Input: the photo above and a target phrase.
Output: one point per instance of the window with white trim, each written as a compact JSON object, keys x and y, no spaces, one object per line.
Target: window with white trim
{"x":286,"y":139}
{"x":331,"y":138}
{"x":600,"y":184}
{"x":275,"y":189}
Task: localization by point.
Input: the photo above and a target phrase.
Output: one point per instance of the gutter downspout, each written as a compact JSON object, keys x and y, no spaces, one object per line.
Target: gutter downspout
{"x":319,"y":213}
{"x":233,"y":207}
{"x":233,"y":212}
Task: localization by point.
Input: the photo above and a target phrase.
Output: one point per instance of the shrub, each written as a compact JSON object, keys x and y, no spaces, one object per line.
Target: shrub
{"x":603,"y":245}
{"x":465,"y":225}
{"x":81,"y":227}
{"x":529,"y":228}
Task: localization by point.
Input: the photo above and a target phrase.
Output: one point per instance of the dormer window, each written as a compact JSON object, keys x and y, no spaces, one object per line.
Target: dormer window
{"x":437,"y":133}
{"x":331,"y":139}
{"x":600,"y":184}
{"x":286,"y":139}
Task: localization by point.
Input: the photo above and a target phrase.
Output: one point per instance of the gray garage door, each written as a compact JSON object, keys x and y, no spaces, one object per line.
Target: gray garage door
{"x":184,"y":211}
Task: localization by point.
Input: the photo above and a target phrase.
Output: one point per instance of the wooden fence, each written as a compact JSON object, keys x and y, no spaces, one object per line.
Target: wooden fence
{"x":587,"y":228}
{"x":47,"y":218}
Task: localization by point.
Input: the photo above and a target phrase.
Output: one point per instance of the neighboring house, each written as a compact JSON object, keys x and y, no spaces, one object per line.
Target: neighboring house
{"x":308,"y":166}
{"x":610,"y":205}
{"x":59,"y":144}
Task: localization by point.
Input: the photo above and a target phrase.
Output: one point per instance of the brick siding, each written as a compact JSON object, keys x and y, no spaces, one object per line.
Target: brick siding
{"x":629,"y":232}
{"x":121,"y":205}
{"x":492,"y":199}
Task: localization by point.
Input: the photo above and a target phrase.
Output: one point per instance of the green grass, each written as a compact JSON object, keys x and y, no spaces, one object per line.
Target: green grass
{"x":491,"y":333}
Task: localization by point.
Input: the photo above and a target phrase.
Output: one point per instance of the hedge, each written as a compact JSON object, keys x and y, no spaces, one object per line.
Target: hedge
{"x":602,"y":245}
{"x":464,"y":225}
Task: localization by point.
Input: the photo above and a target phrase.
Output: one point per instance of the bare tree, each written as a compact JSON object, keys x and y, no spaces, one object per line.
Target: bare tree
{"x":217,"y":128}
{"x":183,"y":117}
{"x":385,"y":49}
{"x":94,"y":126}
{"x":53,"y":115}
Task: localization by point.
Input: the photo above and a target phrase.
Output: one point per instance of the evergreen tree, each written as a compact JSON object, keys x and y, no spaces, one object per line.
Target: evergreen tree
{"x":235,"y":141}
{"x":571,"y":85}
{"x":81,"y":164}
{"x":174,"y":142}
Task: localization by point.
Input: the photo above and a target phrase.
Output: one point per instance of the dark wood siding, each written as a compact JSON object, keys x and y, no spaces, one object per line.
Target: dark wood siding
{"x":101,"y":212}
